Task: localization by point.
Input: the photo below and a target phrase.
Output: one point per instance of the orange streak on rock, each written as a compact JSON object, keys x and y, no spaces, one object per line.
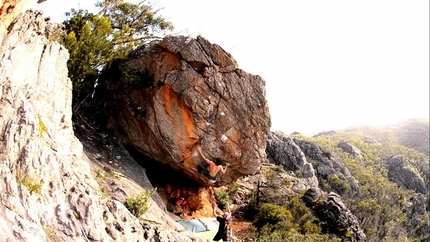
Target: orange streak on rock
{"x":182,"y":121}
{"x":167,"y":100}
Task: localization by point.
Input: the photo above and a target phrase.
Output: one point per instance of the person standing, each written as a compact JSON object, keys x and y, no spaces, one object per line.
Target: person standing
{"x":224,"y":230}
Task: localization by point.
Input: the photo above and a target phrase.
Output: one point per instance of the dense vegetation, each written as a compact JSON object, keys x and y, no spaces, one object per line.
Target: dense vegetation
{"x":380,"y":207}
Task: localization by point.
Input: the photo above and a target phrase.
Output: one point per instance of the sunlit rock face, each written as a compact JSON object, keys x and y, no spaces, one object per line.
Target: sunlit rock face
{"x":327,"y":163}
{"x":9,"y":9}
{"x":283,"y":151}
{"x":48,"y":192}
{"x":166,"y":98}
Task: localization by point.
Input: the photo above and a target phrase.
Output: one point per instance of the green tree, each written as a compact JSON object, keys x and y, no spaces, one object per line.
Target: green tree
{"x":139,"y":19}
{"x":90,"y":45}
{"x":95,"y":40}
{"x":138,"y":204}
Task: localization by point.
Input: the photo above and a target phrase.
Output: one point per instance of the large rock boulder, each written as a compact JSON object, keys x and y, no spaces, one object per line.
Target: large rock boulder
{"x":169,"y":97}
{"x":312,"y":196}
{"x":334,"y":215}
{"x":350,"y":149}
{"x":405,"y":175}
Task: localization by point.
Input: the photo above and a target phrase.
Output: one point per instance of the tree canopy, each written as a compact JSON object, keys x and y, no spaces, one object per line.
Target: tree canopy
{"x":95,"y":40}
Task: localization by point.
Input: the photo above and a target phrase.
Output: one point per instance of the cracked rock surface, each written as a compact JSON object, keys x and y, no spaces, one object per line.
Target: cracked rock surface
{"x":49,"y":192}
{"x":168,"y":97}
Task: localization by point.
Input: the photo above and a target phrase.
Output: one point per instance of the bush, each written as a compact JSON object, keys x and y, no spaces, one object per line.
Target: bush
{"x":138,"y":204}
{"x":33,"y":185}
{"x":234,"y":189}
{"x":222,"y":197}
{"x":272,"y":214}
{"x":338,"y":185}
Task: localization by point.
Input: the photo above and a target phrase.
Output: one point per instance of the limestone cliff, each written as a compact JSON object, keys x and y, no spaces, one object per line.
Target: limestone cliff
{"x":48,"y":186}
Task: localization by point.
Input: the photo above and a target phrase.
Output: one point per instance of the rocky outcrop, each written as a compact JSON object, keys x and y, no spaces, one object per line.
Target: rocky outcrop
{"x":312,"y":196}
{"x":169,"y":97}
{"x":418,"y":219}
{"x":48,"y":191}
{"x":282,"y":150}
{"x":405,"y":175}
{"x":350,"y":149}
{"x":327,"y":164}
{"x":335,"y":216}
{"x":326,"y":133}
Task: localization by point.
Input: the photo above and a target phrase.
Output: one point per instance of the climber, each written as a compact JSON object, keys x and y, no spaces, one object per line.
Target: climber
{"x":212,"y":170}
{"x":224,"y":230}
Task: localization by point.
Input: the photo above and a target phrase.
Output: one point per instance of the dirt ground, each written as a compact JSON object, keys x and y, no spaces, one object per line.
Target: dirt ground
{"x":242,"y":230}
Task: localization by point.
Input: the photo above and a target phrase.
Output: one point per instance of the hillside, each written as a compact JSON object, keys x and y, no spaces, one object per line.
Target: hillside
{"x":387,"y":170}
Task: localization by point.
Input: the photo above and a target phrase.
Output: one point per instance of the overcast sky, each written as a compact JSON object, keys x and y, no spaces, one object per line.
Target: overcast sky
{"x":327,"y":64}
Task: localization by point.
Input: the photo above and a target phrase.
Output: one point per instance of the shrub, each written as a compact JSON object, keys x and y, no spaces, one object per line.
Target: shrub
{"x":271,"y":214}
{"x":222,"y":197}
{"x":234,"y":189}
{"x":340,"y":186}
{"x":33,"y":185}
{"x":138,"y":204}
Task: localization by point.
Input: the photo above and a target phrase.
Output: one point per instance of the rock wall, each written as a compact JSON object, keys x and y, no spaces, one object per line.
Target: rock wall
{"x":48,"y":192}
{"x":331,"y":210}
{"x":327,"y":163}
{"x":283,"y":151}
{"x":337,"y":217}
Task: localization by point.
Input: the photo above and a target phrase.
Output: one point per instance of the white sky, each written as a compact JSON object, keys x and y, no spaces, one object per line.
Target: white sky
{"x":327,"y":64}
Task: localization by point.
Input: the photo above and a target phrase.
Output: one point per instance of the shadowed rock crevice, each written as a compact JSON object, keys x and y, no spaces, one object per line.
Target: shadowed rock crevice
{"x":159,"y":174}
{"x":172,"y":185}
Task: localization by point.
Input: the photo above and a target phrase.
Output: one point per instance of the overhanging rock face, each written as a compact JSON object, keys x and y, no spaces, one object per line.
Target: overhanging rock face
{"x":167,"y":98}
